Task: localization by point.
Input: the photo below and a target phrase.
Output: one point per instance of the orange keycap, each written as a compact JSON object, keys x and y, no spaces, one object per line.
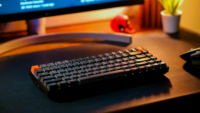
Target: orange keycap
{"x":140,"y":48}
{"x":33,"y":68}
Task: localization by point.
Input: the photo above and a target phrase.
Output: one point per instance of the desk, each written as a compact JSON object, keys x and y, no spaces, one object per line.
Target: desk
{"x":19,"y":94}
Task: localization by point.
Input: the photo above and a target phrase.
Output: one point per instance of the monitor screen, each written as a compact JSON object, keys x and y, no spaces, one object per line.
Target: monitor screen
{"x":11,"y":10}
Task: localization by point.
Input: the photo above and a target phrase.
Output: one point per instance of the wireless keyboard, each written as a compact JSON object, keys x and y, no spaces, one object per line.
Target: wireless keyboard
{"x":68,"y":76}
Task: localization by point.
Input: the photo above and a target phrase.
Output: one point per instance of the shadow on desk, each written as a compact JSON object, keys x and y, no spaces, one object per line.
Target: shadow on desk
{"x":188,"y":67}
{"x":188,"y":36}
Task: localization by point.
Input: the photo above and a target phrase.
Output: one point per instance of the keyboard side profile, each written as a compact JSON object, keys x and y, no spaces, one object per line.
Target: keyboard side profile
{"x":71,"y":77}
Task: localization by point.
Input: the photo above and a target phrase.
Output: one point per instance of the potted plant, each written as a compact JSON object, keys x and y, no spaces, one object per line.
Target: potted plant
{"x":171,"y":15}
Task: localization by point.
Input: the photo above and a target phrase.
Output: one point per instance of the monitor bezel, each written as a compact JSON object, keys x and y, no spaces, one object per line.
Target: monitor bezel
{"x":54,"y":12}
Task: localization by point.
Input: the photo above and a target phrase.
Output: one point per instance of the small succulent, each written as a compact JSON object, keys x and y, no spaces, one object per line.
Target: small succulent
{"x":171,"y":5}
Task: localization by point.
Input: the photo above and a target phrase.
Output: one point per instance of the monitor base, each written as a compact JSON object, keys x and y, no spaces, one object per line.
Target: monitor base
{"x":36,"y":26}
{"x":35,"y":39}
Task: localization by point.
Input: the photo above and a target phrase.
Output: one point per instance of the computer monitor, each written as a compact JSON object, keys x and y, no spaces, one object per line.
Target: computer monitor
{"x":11,"y":10}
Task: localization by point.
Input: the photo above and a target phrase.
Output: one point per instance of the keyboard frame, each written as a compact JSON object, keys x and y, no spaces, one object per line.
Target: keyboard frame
{"x":60,"y":94}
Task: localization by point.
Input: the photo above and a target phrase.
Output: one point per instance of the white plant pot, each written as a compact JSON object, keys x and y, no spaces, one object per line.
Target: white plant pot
{"x":171,"y":22}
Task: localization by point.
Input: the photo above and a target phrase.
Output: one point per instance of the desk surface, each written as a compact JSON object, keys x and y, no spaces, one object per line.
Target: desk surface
{"x":19,"y":94}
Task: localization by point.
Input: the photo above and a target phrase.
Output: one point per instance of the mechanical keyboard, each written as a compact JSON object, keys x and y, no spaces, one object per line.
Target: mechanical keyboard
{"x":68,"y":76}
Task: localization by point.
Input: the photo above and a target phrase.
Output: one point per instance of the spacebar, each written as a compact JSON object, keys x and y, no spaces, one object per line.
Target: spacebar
{"x":101,"y":77}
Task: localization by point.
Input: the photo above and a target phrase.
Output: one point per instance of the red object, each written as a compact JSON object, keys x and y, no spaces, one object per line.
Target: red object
{"x":140,"y":48}
{"x":122,"y":24}
{"x":33,"y":68}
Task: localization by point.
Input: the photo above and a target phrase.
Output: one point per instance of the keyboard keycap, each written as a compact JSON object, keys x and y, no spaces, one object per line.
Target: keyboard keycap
{"x":91,"y":65}
{"x":96,"y":72}
{"x":66,"y":62}
{"x":96,"y":68}
{"x":69,"y":69}
{"x":144,"y":51}
{"x":104,"y":71}
{"x":153,"y":58}
{"x":84,"y":62}
{"x":66,"y":74}
{"x":110,"y":69}
{"x":118,"y":56}
{"x":91,"y":61}
{"x":143,"y":59}
{"x":59,"y":76}
{"x":83,"y":67}
{"x":52,"y":81}
{"x":51,"y":64}
{"x":43,"y":74}
{"x":140,"y":48}
{"x":98,"y":60}
{"x":141,"y":63}
{"x":61,"y":71}
{"x":82,"y":71}
{"x":77,"y":68}
{"x":118,"y":68}
{"x":66,"y":78}
{"x":156,"y":66}
{"x":149,"y":68}
{"x":81,"y":59}
{"x":110,"y":66}
{"x":74,"y":60}
{"x":135,"y":53}
{"x":119,"y":60}
{"x":112,"y":61}
{"x":82,"y":75}
{"x":59,"y":63}
{"x":88,"y":58}
{"x":77,"y":64}
{"x":53,"y":72}
{"x":162,"y":65}
{"x":46,"y":78}
{"x":43,"y":65}
{"x":38,"y":71}
{"x":98,"y":64}
{"x":47,"y":69}
{"x":133,"y":50}
{"x":132,"y":58}
{"x":89,"y":70}
{"x":140,"y":56}
{"x":89,"y":73}
{"x":54,"y":68}
{"x":69,"y":65}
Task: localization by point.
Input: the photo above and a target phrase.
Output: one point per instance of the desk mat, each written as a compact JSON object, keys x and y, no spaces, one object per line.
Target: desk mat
{"x":19,"y":94}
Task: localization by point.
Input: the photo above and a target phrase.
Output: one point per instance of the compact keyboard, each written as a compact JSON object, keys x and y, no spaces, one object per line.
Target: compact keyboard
{"x":69,"y":75}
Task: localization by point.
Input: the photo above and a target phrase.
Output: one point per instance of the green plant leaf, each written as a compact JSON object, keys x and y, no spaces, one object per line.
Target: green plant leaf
{"x":170,"y":5}
{"x":176,"y":6}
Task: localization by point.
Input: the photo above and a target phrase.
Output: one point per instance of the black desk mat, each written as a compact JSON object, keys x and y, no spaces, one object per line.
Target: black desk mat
{"x":19,"y":94}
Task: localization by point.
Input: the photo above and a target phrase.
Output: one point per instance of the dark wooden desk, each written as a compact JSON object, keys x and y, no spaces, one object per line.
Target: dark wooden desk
{"x":180,"y":89}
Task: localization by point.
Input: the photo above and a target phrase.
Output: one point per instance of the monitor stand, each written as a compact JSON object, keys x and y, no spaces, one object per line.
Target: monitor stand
{"x":37,"y":34}
{"x":36,"y":26}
